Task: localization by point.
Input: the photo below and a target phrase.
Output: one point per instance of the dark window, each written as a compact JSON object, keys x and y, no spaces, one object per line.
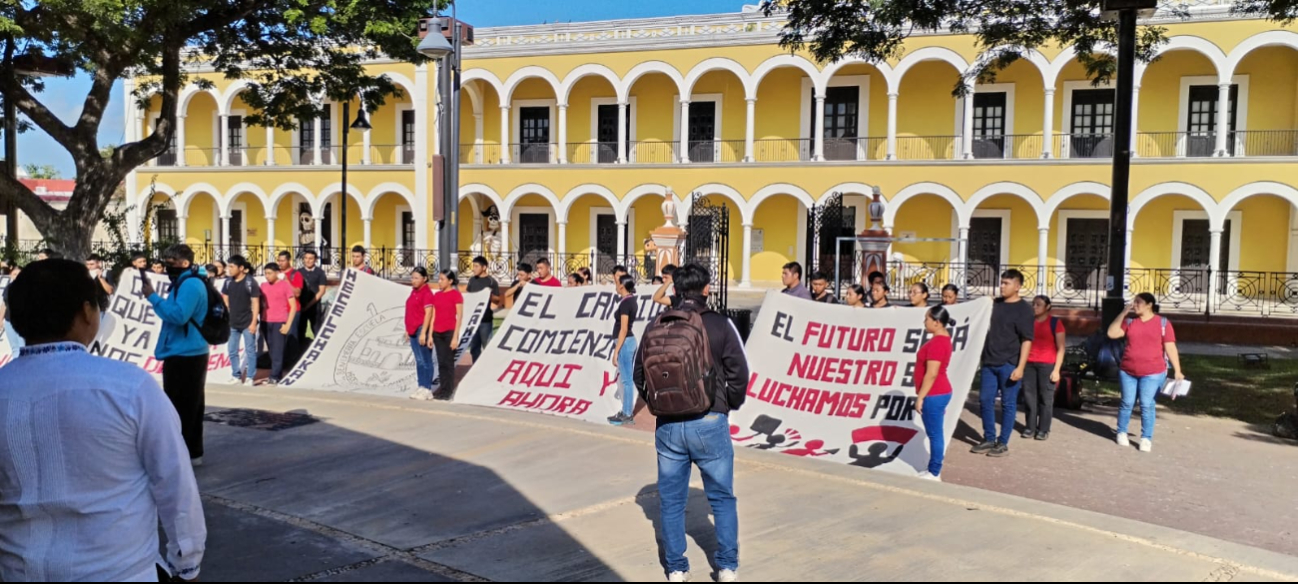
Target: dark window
{"x":407,"y":230}
{"x":1086,"y":249}
{"x":534,"y":134}
{"x":408,"y":136}
{"x":1201,"y":121}
{"x":985,"y":241}
{"x":989,"y":111}
{"x":168,"y":225}
{"x":306,"y":141}
{"x":235,"y":146}
{"x":326,"y":136}
{"x":1092,"y":123}
{"x":1196,"y":248}
{"x":236,"y":229}
{"x":842,"y":110}
{"x":703,"y":129}
{"x":606,"y":137}
{"x":533,"y":236}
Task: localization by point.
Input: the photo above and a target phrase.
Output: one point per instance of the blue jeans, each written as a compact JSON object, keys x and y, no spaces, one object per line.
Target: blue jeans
{"x":996,"y":379}
{"x":626,"y":374}
{"x":705,"y":442}
{"x":423,"y":361}
{"x":249,"y":341}
{"x":934,"y":417}
{"x":1147,"y":387}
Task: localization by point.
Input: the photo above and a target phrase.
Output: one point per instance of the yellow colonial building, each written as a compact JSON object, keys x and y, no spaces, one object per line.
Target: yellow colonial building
{"x":572,"y":132}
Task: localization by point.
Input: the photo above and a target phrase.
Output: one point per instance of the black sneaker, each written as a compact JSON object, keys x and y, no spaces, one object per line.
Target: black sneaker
{"x":1028,"y":434}
{"x":983,"y":448}
{"x":627,"y":420}
{"x":1043,"y":436}
{"x":1000,"y":451}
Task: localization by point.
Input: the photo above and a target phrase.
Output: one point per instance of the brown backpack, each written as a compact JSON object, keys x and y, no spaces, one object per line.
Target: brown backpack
{"x":678,"y":368}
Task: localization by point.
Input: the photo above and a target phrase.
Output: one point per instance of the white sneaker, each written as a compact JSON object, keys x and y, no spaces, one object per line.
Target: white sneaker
{"x":678,"y":577}
{"x":927,"y":476}
{"x":727,"y":576}
{"x":1146,"y":445}
{"x":196,"y":462}
{"x":1123,"y":441}
{"x":233,"y":381}
{"x":422,"y":394}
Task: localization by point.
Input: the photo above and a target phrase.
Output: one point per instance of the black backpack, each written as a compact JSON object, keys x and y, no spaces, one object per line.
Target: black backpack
{"x":216,"y":325}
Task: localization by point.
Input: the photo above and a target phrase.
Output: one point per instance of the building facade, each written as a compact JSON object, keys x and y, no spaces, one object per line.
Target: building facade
{"x":571,"y":133}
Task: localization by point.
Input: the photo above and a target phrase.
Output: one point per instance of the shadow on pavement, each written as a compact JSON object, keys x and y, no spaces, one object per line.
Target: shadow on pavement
{"x":698,"y":525}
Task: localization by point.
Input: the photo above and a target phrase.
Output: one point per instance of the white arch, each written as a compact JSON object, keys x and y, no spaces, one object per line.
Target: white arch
{"x":849,"y":188}
{"x":227,"y":203}
{"x":727,"y":191}
{"x":780,"y":61}
{"x":624,"y":208}
{"x":189,"y":193}
{"x":884,"y":69}
{"x":187,"y":94}
{"x":769,"y":191}
{"x":484,"y":76}
{"x":570,"y":80}
{"x":1068,"y":55}
{"x":1200,"y":45}
{"x":328,"y":192}
{"x":645,"y":68}
{"x":475,"y":99}
{"x":719,"y":64}
{"x":529,"y":189}
{"x":284,"y":190}
{"x":1076,"y":189}
{"x":925,"y":54}
{"x":372,"y":200}
{"x":1270,"y":38}
{"x":923,"y":188}
{"x":226,"y":104}
{"x":1030,"y":55}
{"x":1171,"y":188}
{"x":1030,"y":196}
{"x":486,"y":191}
{"x":1238,"y":196}
{"x":406,"y":84}
{"x":561,"y":213}
{"x":525,"y":73}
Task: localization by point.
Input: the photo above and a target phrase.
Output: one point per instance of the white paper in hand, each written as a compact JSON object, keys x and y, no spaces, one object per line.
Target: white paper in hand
{"x":1175,"y":389}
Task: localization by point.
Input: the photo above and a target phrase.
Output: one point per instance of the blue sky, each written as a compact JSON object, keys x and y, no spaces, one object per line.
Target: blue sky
{"x":65,"y":96}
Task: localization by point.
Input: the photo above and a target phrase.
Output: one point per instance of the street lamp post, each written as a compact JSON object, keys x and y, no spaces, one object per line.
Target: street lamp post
{"x":1126,"y":12}
{"x":436,"y":46}
{"x":362,"y":124}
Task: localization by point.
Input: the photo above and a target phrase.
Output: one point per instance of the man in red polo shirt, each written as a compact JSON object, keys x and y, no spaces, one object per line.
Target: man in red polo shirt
{"x":293,"y":347}
{"x":543,"y":275}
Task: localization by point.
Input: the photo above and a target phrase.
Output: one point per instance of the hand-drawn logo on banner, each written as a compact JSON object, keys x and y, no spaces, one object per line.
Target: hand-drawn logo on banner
{"x":777,"y":440}
{"x":879,"y":438}
{"x":378,"y":355}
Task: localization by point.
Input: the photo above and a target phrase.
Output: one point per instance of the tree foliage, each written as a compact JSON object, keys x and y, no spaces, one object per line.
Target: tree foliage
{"x":293,"y":53}
{"x":1004,"y":30}
{"x":41,"y":171}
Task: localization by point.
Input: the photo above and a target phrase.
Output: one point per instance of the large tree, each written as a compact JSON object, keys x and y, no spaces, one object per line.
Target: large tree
{"x":293,"y":52}
{"x":876,"y":29}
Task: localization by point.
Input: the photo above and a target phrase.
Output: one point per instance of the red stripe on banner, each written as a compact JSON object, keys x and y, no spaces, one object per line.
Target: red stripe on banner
{"x":896,"y":434}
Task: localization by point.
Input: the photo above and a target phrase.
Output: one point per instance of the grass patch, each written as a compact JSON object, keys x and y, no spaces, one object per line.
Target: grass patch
{"x":1225,"y":389}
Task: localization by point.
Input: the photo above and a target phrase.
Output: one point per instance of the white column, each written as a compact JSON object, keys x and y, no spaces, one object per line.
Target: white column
{"x":967,"y":129}
{"x":563,"y":133}
{"x":504,"y":134}
{"x":180,"y":140}
{"x":227,"y":238}
{"x":621,"y":240}
{"x":477,"y":138}
{"x":315,"y":149}
{"x":745,"y":274}
{"x":225,"y":140}
{"x":270,"y":145}
{"x":892,"y":126}
{"x":621,"y":132}
{"x":685,"y":131}
{"x":365,"y":145}
{"x":504,"y":236}
{"x":962,"y":246}
{"x":818,"y":138}
{"x":1048,"y":126}
{"x":270,"y":232}
{"x":1223,"y":120}
{"x":749,"y":132}
{"x":369,"y":233}
{"x":1214,"y":264}
{"x":1135,"y":121}
{"x":563,"y":238}
{"x":182,"y":227}
{"x":1043,"y":259}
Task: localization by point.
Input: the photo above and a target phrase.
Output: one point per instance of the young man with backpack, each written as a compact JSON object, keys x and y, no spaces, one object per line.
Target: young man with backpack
{"x":692,"y":372}
{"x":1004,"y":359}
{"x":243,"y":299}
{"x":182,"y":349}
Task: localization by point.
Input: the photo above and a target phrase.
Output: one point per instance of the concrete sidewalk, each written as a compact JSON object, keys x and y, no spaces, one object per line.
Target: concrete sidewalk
{"x":395,"y":490}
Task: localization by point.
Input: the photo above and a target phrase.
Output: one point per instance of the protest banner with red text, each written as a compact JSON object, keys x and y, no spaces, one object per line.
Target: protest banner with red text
{"x":837,"y":383}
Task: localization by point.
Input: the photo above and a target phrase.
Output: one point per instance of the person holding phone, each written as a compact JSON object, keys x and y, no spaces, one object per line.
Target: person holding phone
{"x":1151,"y":347}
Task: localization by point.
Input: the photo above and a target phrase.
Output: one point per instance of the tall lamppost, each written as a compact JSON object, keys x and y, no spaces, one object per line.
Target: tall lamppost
{"x":362,"y":123}
{"x":436,"y":46}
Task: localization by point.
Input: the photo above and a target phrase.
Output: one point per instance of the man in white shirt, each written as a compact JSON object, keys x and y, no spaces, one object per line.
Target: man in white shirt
{"x":91,"y":458}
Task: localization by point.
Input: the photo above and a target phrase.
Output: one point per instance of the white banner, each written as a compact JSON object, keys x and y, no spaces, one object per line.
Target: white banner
{"x":362,"y":346}
{"x":837,"y":383}
{"x":554,"y":354}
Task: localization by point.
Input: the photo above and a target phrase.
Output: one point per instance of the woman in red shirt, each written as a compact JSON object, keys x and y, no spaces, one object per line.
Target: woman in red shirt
{"x":1151,"y":345}
{"x":934,"y":387}
{"x":419,"y":320}
{"x":448,"y":312}
{"x":1045,"y":361}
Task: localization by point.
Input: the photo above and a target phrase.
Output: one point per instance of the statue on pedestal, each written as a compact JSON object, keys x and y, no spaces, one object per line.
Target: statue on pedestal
{"x":666,"y":241}
{"x":488,"y":244}
{"x":874,"y":253}
{"x":669,"y":208}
